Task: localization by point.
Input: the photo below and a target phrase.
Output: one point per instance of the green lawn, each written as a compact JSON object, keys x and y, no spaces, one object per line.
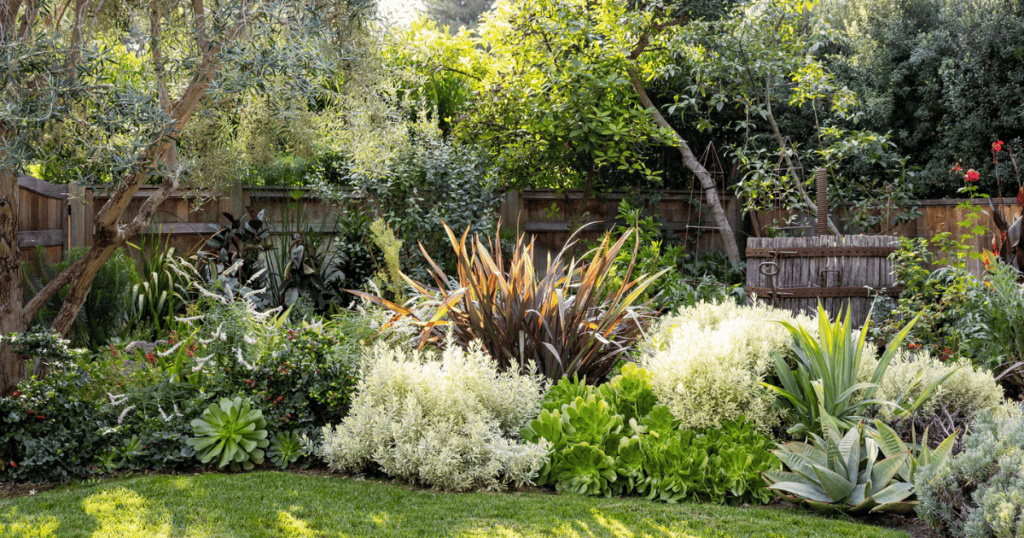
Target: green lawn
{"x":275,"y":504}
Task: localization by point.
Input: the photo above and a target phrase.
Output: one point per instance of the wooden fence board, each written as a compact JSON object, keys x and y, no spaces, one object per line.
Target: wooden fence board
{"x":41,"y":219}
{"x":799,"y":283}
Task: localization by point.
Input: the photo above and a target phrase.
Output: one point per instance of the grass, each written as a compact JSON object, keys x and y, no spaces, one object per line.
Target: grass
{"x":285,"y":505}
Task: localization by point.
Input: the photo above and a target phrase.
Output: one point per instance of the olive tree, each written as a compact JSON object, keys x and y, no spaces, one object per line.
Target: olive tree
{"x":61,"y":81}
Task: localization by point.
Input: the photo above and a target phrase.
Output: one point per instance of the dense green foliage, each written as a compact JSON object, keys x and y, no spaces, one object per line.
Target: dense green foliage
{"x":456,"y":13}
{"x":131,"y":407}
{"x":942,"y":77}
{"x":617,"y":439}
{"x":49,"y":432}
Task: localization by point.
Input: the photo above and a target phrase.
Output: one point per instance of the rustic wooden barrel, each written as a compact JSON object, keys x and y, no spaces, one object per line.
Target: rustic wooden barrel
{"x":835,"y":270}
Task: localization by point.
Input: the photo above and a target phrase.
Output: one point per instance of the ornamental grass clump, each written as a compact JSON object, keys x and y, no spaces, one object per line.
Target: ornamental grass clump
{"x":573,"y":319}
{"x":449,"y":421}
{"x":708,"y":361}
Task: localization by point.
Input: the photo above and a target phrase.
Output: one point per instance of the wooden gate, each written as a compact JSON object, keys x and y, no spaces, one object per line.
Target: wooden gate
{"x":43,"y":218}
{"x":794,"y":273}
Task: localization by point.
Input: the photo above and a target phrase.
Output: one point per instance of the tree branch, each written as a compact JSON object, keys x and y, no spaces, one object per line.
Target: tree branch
{"x":732,"y":250}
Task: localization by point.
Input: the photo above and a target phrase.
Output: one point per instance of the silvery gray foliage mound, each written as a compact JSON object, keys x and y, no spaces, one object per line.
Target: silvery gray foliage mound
{"x":979,"y":493}
{"x":449,"y":421}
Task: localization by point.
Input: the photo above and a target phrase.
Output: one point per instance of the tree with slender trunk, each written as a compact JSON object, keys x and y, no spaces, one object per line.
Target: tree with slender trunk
{"x":56,"y":78}
{"x":567,"y":95}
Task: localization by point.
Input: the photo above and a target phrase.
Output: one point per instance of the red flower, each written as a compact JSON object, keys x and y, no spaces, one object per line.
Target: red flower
{"x":956,"y":168}
{"x":16,"y":394}
{"x":41,"y":417}
{"x":997,"y":146}
{"x":1020,"y":197}
{"x":912,"y":345}
{"x":972,"y":175}
{"x":14,"y":464}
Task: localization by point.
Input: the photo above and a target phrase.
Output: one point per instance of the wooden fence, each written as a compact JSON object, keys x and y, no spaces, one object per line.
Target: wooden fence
{"x":42,"y":219}
{"x":186,"y":220}
{"x":795,"y":273}
{"x":547,"y":215}
{"x":58,"y":217}
{"x":936,"y":216}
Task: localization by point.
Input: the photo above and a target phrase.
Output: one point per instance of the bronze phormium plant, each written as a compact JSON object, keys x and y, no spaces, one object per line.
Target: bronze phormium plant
{"x":572,"y":320}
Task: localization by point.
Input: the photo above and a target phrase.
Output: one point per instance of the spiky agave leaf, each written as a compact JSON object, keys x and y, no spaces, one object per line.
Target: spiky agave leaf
{"x":841,"y":472}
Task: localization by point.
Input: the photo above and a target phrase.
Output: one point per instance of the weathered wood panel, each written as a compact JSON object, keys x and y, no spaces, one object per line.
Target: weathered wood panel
{"x":937,"y":216}
{"x":41,"y":219}
{"x":831,"y":269}
{"x":549,"y":216}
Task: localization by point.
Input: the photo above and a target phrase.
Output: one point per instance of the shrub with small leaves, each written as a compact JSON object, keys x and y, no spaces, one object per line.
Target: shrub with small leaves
{"x":708,"y":361}
{"x":48,"y":431}
{"x":447,"y":421}
{"x":978,"y":492}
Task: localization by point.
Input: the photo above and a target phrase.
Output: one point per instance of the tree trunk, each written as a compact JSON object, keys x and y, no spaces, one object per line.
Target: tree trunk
{"x":109,"y":233}
{"x":732,"y":249}
{"x":12,"y":368}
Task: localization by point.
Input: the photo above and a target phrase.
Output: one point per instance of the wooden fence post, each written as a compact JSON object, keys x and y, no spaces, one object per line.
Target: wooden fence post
{"x":77,"y":207}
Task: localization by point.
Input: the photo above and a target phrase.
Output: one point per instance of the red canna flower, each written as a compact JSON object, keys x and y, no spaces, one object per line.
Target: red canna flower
{"x":997,"y":146}
{"x":972,"y":175}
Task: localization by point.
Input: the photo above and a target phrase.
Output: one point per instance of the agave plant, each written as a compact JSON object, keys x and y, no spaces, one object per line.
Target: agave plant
{"x":919,"y":455}
{"x":842,"y":472}
{"x":833,"y":361}
{"x":230,"y":432}
{"x":572,"y":319}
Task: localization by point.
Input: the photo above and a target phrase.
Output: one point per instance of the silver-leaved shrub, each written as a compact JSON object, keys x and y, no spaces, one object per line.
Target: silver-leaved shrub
{"x":965,"y":393}
{"x":708,"y":361}
{"x":979,"y":493}
{"x":447,"y":420}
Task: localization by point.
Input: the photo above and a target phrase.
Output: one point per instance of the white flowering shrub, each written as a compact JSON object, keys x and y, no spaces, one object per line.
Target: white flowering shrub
{"x":707,"y":362}
{"x":450,"y":421}
{"x":966,"y":392}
